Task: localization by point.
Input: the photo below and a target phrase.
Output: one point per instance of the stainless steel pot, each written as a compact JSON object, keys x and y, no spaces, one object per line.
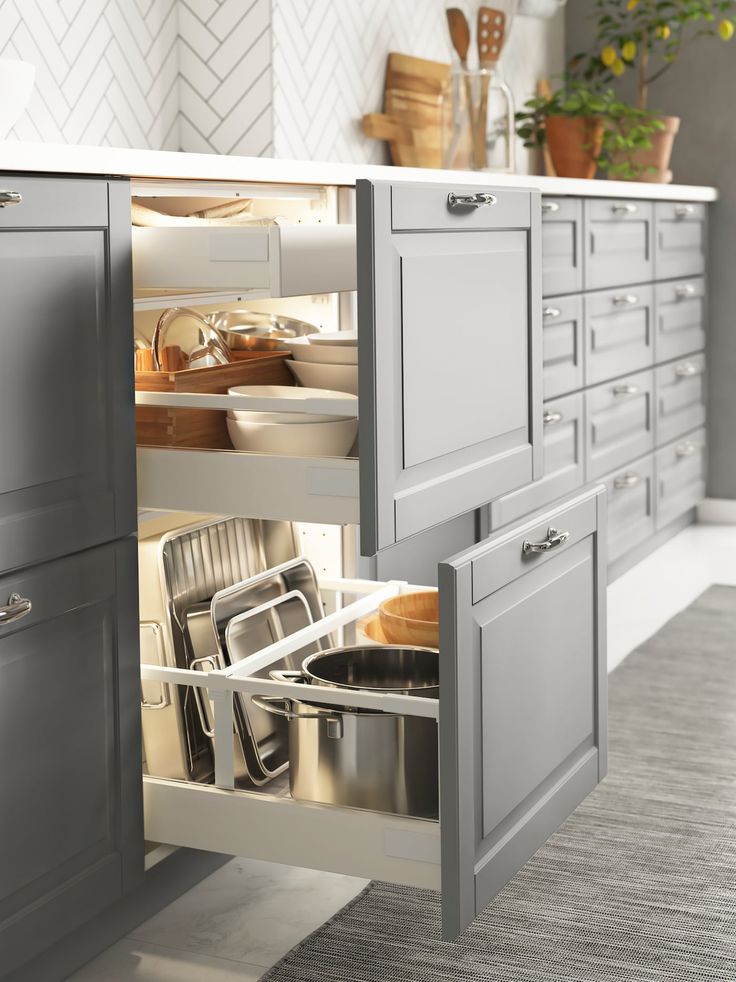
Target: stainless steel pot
{"x":246,"y":330}
{"x":358,"y":758}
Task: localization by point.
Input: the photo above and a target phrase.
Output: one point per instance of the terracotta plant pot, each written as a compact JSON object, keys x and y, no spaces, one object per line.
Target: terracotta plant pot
{"x":574,"y":143}
{"x":659,"y":154}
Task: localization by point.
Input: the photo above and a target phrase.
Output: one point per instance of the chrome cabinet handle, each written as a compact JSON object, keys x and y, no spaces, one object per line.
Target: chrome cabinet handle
{"x":550,"y":207}
{"x":624,"y":209}
{"x":682,"y":211}
{"x":551,"y":312}
{"x":624,"y":299}
{"x":15,"y":608}
{"x":10,"y":198}
{"x":478,"y":200}
{"x":554,"y":539}
{"x":625,"y":390}
{"x":550,"y":418}
{"x":626,"y":481}
{"x":684,"y":290}
{"x":686,"y":370}
{"x":685,"y":449}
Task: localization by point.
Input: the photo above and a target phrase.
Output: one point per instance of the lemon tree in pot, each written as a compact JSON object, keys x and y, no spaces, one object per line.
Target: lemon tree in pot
{"x":646,"y":37}
{"x":587,"y":129}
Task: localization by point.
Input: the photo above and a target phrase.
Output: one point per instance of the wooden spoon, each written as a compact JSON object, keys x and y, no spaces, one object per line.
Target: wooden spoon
{"x":460,"y":37}
{"x":491,"y":31}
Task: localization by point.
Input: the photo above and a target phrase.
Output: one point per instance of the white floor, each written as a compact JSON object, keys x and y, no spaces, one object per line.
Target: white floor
{"x":242,"y":919}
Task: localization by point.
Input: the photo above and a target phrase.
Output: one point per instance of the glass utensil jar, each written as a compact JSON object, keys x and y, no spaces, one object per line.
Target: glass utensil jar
{"x":478,"y":132}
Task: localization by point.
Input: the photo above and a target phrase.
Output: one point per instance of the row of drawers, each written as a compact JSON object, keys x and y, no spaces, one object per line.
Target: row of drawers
{"x":597,"y":336}
{"x":603,"y":242}
{"x":589,"y":435}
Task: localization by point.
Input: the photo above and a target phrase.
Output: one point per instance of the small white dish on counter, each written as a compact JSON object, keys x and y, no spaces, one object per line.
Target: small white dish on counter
{"x":302,"y":349}
{"x":334,"y":337}
{"x":318,"y":376}
{"x":326,"y":439}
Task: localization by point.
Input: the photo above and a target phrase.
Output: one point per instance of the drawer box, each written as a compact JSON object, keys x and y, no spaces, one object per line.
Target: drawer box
{"x":619,"y":332}
{"x":680,"y":470}
{"x":680,"y":239}
{"x":274,"y":261}
{"x":562,"y":346}
{"x":619,"y":242}
{"x":681,"y":398}
{"x":564,"y":440}
{"x":619,"y":423}
{"x":630,"y":506}
{"x":562,"y":246}
{"x":679,"y":318}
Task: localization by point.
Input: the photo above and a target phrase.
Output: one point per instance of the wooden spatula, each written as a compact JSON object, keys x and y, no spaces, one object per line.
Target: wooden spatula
{"x":460,"y":37}
{"x":491,"y":33}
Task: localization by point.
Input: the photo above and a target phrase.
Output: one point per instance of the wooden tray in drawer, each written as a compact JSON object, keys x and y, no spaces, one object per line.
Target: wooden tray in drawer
{"x":203,"y":428}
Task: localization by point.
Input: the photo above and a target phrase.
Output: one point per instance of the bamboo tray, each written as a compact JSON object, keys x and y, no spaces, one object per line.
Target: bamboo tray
{"x":204,"y":429}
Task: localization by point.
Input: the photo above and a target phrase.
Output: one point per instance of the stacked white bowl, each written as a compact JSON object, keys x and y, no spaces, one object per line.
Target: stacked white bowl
{"x":326,"y":360}
{"x":292,"y":433}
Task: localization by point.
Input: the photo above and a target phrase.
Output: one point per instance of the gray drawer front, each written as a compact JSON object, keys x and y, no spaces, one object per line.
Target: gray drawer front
{"x":619,"y":242}
{"x":630,"y":506}
{"x":562,"y":346}
{"x":562,"y":246}
{"x":564,"y":440}
{"x":680,"y":468}
{"x":680,"y":241}
{"x":619,"y":332}
{"x":619,"y":423}
{"x":681,"y":398}
{"x":51,"y":202}
{"x":680,"y":318}
{"x":416,"y":206}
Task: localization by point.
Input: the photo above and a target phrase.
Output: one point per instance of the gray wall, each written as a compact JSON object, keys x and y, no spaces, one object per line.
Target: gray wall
{"x":701,"y":89}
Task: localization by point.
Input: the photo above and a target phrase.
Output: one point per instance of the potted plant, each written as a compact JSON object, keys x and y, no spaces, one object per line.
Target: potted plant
{"x":587,"y":129}
{"x":647,"y":37}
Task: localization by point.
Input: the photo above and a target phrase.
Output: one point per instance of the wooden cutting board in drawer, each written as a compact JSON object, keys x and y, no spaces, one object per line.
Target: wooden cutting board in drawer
{"x":203,"y":428}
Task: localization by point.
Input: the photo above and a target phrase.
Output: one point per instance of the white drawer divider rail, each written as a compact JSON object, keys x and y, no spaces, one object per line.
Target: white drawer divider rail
{"x":238,"y":677}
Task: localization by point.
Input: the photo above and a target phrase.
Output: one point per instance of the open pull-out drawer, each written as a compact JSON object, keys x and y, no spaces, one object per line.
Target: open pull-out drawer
{"x":522,"y":724}
{"x":450,"y":377}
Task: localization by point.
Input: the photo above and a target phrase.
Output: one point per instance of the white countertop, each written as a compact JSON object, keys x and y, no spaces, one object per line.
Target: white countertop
{"x":48,"y":158}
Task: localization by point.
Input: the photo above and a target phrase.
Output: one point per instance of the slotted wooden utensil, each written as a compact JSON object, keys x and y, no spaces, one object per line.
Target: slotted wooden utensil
{"x":491,"y":34}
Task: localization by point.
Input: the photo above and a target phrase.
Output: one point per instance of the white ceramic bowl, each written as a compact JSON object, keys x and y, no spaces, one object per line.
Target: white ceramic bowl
{"x":343,"y":377}
{"x":249,"y":416}
{"x":288,"y":392}
{"x":334,"y":337}
{"x":326,"y":354}
{"x":330,"y":439}
{"x":16,"y":86}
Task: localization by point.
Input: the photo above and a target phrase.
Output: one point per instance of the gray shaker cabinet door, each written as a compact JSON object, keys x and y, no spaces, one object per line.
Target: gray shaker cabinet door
{"x":450,"y":354}
{"x":522,"y":696}
{"x":562,"y":246}
{"x":71,"y":823}
{"x":67,"y":479}
{"x":681,"y":239}
{"x":619,"y":242}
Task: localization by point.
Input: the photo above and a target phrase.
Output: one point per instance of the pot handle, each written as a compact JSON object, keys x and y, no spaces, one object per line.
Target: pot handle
{"x":280,"y":706}
{"x":284,"y":675}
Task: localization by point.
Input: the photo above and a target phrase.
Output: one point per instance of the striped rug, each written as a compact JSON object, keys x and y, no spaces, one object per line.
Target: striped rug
{"x":638,"y":885}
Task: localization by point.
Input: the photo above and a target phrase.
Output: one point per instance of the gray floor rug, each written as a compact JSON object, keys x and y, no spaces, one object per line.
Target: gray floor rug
{"x":639,"y":884}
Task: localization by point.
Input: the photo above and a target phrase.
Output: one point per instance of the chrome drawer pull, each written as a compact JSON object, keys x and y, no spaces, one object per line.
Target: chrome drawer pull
{"x":682,"y":211}
{"x":15,"y":608}
{"x":551,"y":312}
{"x":686,"y":370}
{"x":554,"y":539}
{"x":626,"y":481}
{"x":684,"y":290}
{"x":478,"y":200}
{"x":626,"y":209}
{"x":623,"y":299}
{"x":685,"y":449}
{"x":625,"y":390}
{"x":550,"y":207}
{"x":549,"y":419}
{"x":10,"y":198}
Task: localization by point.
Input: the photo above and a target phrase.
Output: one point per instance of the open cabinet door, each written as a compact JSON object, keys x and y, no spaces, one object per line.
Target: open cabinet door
{"x":449,"y":310}
{"x":523,"y":695}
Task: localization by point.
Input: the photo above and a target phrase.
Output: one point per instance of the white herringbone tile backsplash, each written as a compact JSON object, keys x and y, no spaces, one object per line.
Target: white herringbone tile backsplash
{"x":285,"y":77}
